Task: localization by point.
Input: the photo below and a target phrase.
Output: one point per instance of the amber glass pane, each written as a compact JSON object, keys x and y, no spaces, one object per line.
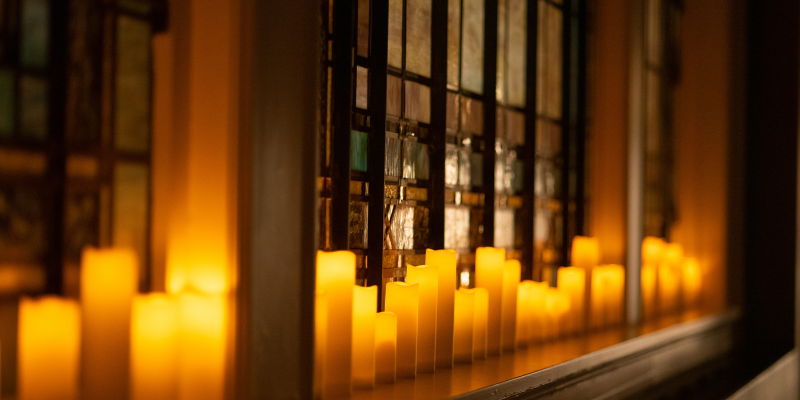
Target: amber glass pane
{"x":362,"y":89}
{"x":395,"y":56}
{"x":418,"y":37}
{"x":131,"y":208}
{"x":6,"y":103}
{"x":501,"y":83}
{"x":393,"y":89}
{"x":22,"y":237}
{"x":417,"y":102}
{"x":358,"y":224}
{"x":541,"y":61}
{"x":363,"y":28}
{"x":472,"y":46}
{"x":33,"y":107}
{"x":81,"y":227}
{"x":471,"y":115}
{"x":517,"y":52}
{"x":452,"y":111}
{"x":34,"y":33}
{"x":132,"y":106}
{"x":139,"y":6}
{"x":554,"y":62}
{"x":453,"y":42}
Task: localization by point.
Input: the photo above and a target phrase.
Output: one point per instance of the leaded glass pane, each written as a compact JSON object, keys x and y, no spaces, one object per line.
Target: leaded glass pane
{"x":358,"y":151}
{"x":33,"y":107}
{"x":132,"y":98}
{"x":131,"y":204}
{"x":393,"y":89}
{"x":472,"y":46}
{"x":417,"y":102}
{"x":517,"y":52}
{"x":363,"y":28}
{"x":395,"y":49}
{"x":504,"y":228}
{"x":34,"y":33}
{"x":392,"y":155}
{"x":453,"y":42}
{"x":81,"y":227}
{"x":358,"y":224}
{"x":554,"y":62}
{"x":500,"y":86}
{"x":362,"y":88}
{"x":418,"y":37}
{"x":451,"y":165}
{"x":6,"y":103}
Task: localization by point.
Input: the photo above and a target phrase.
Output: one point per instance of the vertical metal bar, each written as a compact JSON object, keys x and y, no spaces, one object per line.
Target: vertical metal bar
{"x":377,"y":141}
{"x":280,"y":139}
{"x":342,"y":103}
{"x":438,"y":123}
{"x":529,"y":149}
{"x":489,"y":118}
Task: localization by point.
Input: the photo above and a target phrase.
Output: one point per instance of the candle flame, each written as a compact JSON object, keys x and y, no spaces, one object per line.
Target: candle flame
{"x":465,"y":279}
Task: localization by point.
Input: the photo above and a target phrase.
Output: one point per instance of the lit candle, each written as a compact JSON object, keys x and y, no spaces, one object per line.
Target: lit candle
{"x":385,"y":347}
{"x":320,"y":336}
{"x":524,"y":313}
{"x":427,"y":277}
{"x":365,"y":302}
{"x":557,"y":304}
{"x":463,"y":339}
{"x":585,"y":252}
{"x":652,"y":250}
{"x":511,"y":277}
{"x":480,"y":335}
{"x":202,"y":346}
{"x":692,"y":281}
{"x":648,"y":278}
{"x":673,"y":255}
{"x":154,"y":343}
{"x":489,"y":275}
{"x":48,"y":352}
{"x":572,"y":281}
{"x":402,"y":299}
{"x":445,"y":260}
{"x":336,"y":274}
{"x":108,"y":283}
{"x":538,"y":292}
{"x":615,"y":278}
{"x":599,"y":297}
{"x":668,"y":285}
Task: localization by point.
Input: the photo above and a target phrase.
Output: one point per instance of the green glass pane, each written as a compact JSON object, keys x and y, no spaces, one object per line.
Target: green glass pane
{"x":22,"y":226}
{"x":131,"y":209}
{"x":418,"y":36}
{"x":33,"y":108}
{"x":358,"y":151}
{"x":34,"y":33}
{"x":417,"y":102}
{"x":472,"y":46}
{"x":132,"y":107}
{"x":81,"y":227}
{"x":6,"y":103}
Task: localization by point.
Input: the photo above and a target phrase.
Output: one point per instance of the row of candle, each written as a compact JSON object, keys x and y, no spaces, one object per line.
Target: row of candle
{"x":668,"y":278}
{"x":117,"y":344}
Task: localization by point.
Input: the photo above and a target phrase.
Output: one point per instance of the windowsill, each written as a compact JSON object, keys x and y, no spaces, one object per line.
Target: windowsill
{"x":613,"y":361}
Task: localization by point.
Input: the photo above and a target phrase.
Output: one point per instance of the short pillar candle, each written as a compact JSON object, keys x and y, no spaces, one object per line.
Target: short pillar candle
{"x":427,"y":277}
{"x":386,"y":347}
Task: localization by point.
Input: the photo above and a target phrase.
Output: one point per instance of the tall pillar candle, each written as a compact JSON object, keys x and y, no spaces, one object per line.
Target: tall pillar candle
{"x":648,"y":282}
{"x":481,"y":330}
{"x":692,"y":281}
{"x":464,"y":327}
{"x":386,"y":347}
{"x":402,"y":299}
{"x":585,"y":252}
{"x":154,"y":347}
{"x":336,"y":274}
{"x":48,"y":352}
{"x":599,"y":296}
{"x":652,"y":250}
{"x":489,"y":275}
{"x":668,"y":285}
{"x":108,"y":283}
{"x":202,"y":346}
{"x":524,"y":313}
{"x":557,"y":304}
{"x":445,"y":261}
{"x":365,"y":302}
{"x":511,"y":278}
{"x":320,"y":338}
{"x":538,"y":292}
{"x":427,"y":277}
{"x":615,"y":278}
{"x":572,"y":281}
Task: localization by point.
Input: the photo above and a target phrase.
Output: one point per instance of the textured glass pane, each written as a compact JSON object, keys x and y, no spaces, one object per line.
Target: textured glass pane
{"x":418,"y":102}
{"x":84,"y":91}
{"x":471,"y":115}
{"x":358,"y":224}
{"x":464,"y":168}
{"x":408,"y":159}
{"x":420,"y":227}
{"x":453,"y":42}
{"x":401,"y":232}
{"x":452,"y":110}
{"x":476,"y":161}
{"x":541,"y":52}
{"x":554,"y":62}
{"x":22,"y":228}
{"x":504,"y":228}
{"x":515,"y":127}
{"x":358,"y":151}
{"x":82,"y":224}
{"x":6,"y":103}
{"x":418,"y":37}
{"x":517,"y":46}
{"x":518,"y":182}
{"x":393,"y":89}
{"x":33,"y":107}
{"x":131,"y":208}
{"x":132,"y":108}
{"x":362,"y":89}
{"x":456,"y":234}
{"x":451,"y":165}
{"x":363,"y":28}
{"x":395,"y":49}
{"x":392,"y":155}
{"x":472,"y":46}
{"x":421,"y":161}
{"x":502,"y":18}
{"x":34,"y":33}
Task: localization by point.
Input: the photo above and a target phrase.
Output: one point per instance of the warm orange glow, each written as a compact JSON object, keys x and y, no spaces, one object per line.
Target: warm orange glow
{"x":511,"y":278}
{"x":572,"y":282}
{"x":463,"y":336}
{"x":668,"y":286}
{"x":464,"y":280}
{"x":336,"y":272}
{"x":489,"y":275}
{"x":108,"y":283}
{"x":652,"y":250}
{"x":365,"y":302}
{"x":202,"y":346}
{"x":154,"y":347}
{"x":538,"y":293}
{"x":445,"y":261}
{"x":557,"y":304}
{"x":15,"y":278}
{"x":692,"y":283}
{"x":480,"y":335}
{"x":386,"y":347}
{"x":673,"y":255}
{"x":320,"y":338}
{"x":402,"y":299}
{"x":608,"y":285}
{"x":648,"y":283}
{"x":525,"y":313}
{"x":48,"y":350}
{"x":427,"y":277}
{"x":585,"y":252}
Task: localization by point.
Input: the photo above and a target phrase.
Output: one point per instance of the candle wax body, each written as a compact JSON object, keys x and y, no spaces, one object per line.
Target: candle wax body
{"x":572,"y":281}
{"x":524,"y":313}
{"x":649,"y":273}
{"x":427,"y":277}
{"x":463,"y":340}
{"x":385,"y":347}
{"x":615,"y":275}
{"x":154,"y":347}
{"x":403,"y":301}
{"x":320,"y":337}
{"x":336,"y":274}
{"x":480,"y":335}
{"x":557,"y":304}
{"x":202,"y":346}
{"x":108,"y":283}
{"x":511,"y":278}
{"x":692,"y":281}
{"x":365,"y":302}
{"x":48,"y":353}
{"x":445,"y":261}
{"x":652,"y":250}
{"x":599,"y":298}
{"x":538,"y":292}
{"x":668,"y":286}
{"x":489,"y":275}
{"x":585,"y":252}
